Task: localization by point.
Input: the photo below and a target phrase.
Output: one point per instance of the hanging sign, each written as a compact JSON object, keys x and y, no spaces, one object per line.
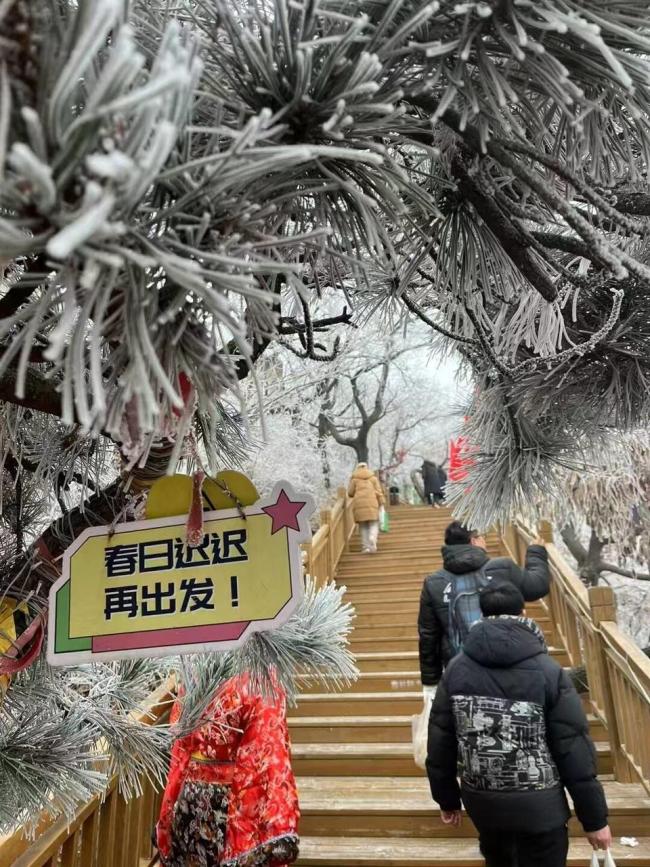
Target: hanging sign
{"x":143,"y":591}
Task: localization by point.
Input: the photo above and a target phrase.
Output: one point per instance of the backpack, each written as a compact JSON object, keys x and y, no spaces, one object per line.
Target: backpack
{"x":464,"y":606}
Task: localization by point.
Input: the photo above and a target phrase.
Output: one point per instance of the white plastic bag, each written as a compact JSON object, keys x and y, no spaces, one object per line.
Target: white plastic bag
{"x":608,"y":862}
{"x":420,"y":731}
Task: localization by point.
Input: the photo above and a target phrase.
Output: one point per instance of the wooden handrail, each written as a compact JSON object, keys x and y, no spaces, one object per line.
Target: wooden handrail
{"x":323,"y":553}
{"x":584,"y":623}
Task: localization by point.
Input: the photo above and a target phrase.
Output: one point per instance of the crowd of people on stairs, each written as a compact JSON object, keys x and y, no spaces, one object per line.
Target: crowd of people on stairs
{"x":507,"y":733}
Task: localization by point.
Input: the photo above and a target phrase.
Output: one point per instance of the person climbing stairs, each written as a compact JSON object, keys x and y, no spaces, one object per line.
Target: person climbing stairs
{"x":364,"y":801}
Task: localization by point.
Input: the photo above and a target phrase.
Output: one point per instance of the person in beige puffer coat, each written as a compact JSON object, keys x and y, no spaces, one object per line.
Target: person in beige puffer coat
{"x":367,"y":499}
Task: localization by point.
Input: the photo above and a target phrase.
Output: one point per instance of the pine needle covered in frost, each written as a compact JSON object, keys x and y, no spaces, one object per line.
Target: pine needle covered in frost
{"x":313,"y":644}
{"x":65,"y":732}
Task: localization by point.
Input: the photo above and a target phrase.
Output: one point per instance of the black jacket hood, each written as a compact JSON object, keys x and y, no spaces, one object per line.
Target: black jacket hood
{"x":500,"y":642}
{"x":461,"y":559}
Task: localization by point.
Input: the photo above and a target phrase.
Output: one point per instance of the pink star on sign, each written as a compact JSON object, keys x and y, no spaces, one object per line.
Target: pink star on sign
{"x":284,"y":513}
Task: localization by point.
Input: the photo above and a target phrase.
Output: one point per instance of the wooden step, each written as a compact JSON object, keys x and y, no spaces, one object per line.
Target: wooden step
{"x":408,"y":617}
{"x":376,"y":681}
{"x":604,"y":757}
{"x":357,"y":704}
{"x":405,"y":629}
{"x":460,"y":852}
{"x":410,"y":660}
{"x":393,"y":561}
{"x":403,"y":807}
{"x":379,"y":760}
{"x":377,"y":644}
{"x":405,"y":661}
{"x":384,"y":596}
{"x":351,"y":729}
{"x":399,"y":579}
{"x":381,"y":626}
{"x":409,"y":595}
{"x":383,"y":565}
{"x":397,"y":617}
{"x":354,"y":760}
{"x":391,"y":729}
{"x":404,"y":542}
{"x":402,"y":576}
{"x":378,"y":605}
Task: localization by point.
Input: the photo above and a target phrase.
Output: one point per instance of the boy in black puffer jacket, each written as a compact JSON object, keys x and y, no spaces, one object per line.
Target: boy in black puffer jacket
{"x":508,"y":715}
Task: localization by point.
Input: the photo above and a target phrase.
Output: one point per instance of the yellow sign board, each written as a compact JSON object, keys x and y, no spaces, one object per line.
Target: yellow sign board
{"x":144,"y":591}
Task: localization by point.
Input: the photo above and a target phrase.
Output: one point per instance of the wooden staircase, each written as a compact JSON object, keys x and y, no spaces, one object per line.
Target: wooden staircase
{"x":364,"y":801}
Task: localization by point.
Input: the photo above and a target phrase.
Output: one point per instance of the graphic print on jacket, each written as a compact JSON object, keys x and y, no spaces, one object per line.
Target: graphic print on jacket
{"x":502,"y":745}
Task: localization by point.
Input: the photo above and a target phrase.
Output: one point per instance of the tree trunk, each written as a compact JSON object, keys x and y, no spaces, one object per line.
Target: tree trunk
{"x":325,"y":462}
{"x":416,"y":480}
{"x":589,"y":560}
{"x":591,"y":568}
{"x":361,"y":446}
{"x":579,"y":677}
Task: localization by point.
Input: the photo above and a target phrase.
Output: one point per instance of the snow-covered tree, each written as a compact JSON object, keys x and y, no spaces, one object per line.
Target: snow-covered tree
{"x":604,"y":511}
{"x":380,"y":399}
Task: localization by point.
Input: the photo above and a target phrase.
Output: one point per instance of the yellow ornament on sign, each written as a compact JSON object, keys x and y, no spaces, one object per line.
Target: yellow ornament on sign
{"x":172,"y":495}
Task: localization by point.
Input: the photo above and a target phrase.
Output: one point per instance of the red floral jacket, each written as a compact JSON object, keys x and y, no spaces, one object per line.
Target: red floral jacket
{"x":231,"y":796}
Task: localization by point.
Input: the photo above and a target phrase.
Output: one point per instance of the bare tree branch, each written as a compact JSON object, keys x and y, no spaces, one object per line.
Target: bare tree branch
{"x":419,"y":312}
{"x":378,"y":409}
{"x":626,"y":573}
{"x":34,"y":274}
{"x":564,"y":243}
{"x":290,"y":325}
{"x":335,"y":433}
{"x":354,"y":382}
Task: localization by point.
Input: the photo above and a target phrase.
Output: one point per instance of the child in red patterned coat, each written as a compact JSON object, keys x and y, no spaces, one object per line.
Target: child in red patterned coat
{"x":231,"y":798}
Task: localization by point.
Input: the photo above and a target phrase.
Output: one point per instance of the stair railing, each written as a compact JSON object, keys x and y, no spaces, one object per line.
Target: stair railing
{"x":618,"y":673}
{"x":323,"y":553}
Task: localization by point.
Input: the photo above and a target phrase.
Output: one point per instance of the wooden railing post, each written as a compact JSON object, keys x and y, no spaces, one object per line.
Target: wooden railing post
{"x":546,"y":532}
{"x":307,"y":564}
{"x":326,"y":521}
{"x":602,"y":603}
{"x":342,"y":494}
{"x":520,"y":546}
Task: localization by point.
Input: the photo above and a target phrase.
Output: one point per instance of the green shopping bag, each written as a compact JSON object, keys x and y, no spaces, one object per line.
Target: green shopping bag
{"x":384,"y":521}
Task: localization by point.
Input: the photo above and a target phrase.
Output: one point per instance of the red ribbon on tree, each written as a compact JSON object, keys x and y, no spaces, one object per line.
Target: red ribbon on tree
{"x":195,"y":517}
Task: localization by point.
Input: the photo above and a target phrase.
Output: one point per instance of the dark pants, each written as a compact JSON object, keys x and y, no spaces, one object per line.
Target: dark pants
{"x":501,"y":849}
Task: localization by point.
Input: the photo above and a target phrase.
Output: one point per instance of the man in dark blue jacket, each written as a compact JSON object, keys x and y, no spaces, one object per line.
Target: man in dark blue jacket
{"x":507,"y":715}
{"x":464,"y":552}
